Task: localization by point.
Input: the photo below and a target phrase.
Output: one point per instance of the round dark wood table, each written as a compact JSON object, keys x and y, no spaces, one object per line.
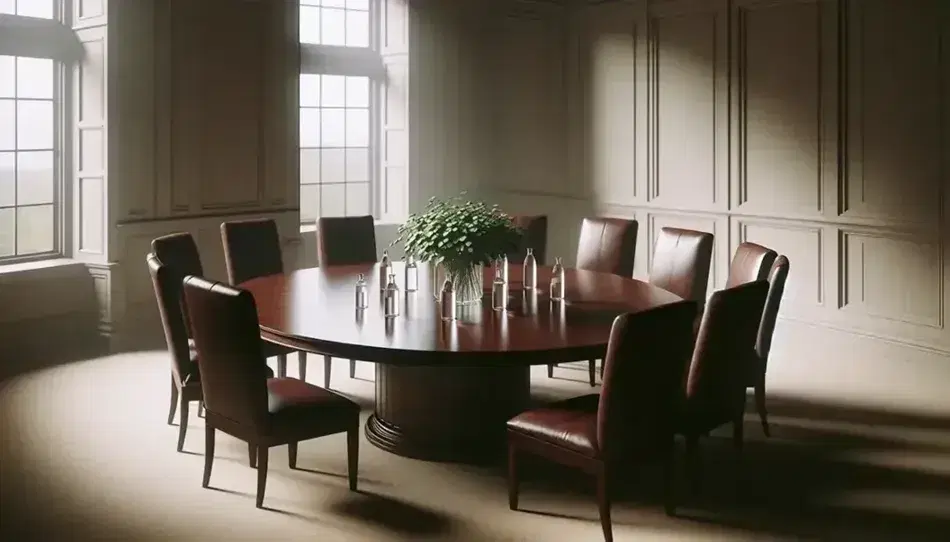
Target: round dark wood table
{"x":444,"y":389}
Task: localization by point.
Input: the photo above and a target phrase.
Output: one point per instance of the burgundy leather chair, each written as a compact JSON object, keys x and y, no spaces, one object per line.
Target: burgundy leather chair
{"x":534,"y":236}
{"x":167,"y":283}
{"x":750,"y":263}
{"x":345,"y":241}
{"x":251,"y":250}
{"x":681,"y":262}
{"x":240,"y":398}
{"x":715,"y":389}
{"x":607,"y":245}
{"x":763,"y":344}
{"x":631,"y":420}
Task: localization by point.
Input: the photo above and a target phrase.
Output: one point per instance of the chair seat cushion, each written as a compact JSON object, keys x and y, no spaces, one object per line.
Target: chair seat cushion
{"x":571,"y":424}
{"x":192,"y":372}
{"x":291,"y":401}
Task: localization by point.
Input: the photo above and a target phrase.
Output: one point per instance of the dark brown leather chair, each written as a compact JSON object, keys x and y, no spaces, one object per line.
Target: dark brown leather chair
{"x":631,"y":420}
{"x":715,"y":389}
{"x":607,"y":245}
{"x":681,"y":261}
{"x":534,"y":236}
{"x":763,"y":344}
{"x":167,"y":283}
{"x":750,"y":263}
{"x":242,"y":401}
{"x":345,"y":241}
{"x":251,"y":250}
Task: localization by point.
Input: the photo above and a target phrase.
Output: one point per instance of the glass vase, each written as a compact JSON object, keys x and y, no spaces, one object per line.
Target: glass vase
{"x":467,"y":279}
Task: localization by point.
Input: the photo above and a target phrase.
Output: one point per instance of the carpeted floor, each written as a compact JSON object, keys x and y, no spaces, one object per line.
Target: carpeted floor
{"x":85,"y":454}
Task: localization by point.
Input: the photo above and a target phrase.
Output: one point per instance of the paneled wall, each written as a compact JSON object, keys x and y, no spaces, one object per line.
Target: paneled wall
{"x":185,"y":115}
{"x":820,"y":128}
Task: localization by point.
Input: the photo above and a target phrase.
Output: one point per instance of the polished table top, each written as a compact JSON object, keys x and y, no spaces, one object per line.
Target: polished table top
{"x":315,"y":310}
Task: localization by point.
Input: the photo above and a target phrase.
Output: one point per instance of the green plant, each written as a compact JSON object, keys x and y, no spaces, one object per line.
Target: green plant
{"x":458,"y":232}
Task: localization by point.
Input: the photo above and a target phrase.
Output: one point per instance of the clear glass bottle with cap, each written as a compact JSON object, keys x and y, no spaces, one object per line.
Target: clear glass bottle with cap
{"x":501,"y":264}
{"x":412,"y":275}
{"x":362,"y":299}
{"x":447,"y":301}
{"x":557,"y":281}
{"x":385,"y":269}
{"x":499,"y":291}
{"x":530,"y":280}
{"x":391,"y":297}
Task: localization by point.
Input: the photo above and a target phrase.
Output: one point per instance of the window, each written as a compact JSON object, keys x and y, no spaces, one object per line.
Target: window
{"x":31,"y":145}
{"x":341,"y":71}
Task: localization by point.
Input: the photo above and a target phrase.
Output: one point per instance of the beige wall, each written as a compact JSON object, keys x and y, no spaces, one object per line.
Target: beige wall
{"x":819,"y":128}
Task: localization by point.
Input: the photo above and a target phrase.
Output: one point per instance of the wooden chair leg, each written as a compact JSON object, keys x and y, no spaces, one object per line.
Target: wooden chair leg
{"x":262,"y":453}
{"x":603,"y":363}
{"x":174,"y":402}
{"x":551,"y":370}
{"x":182,"y":422}
{"x":201,"y":409}
{"x":353,"y":455}
{"x":292,"y":455}
{"x":760,"y":407}
{"x":209,"y":454}
{"x":302,"y":365}
{"x":603,"y":504}
{"x":352,"y":368}
{"x":282,"y":366}
{"x":591,"y":372}
{"x":252,"y":455}
{"x":327,"y":369}
{"x":514,"y":482}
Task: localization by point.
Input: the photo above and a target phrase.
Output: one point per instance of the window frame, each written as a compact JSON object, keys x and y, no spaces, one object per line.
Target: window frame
{"x":351,"y":61}
{"x":63,"y":61}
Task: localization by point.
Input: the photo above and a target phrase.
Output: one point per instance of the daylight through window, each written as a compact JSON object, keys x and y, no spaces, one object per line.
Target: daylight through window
{"x":30,"y":146}
{"x":338,"y":108}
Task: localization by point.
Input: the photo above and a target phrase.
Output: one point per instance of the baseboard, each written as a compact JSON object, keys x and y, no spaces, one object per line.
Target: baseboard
{"x":38,"y":343}
{"x":811,"y":362}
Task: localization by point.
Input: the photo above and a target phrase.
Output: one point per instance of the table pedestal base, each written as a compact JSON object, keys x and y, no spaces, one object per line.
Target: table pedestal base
{"x":455,"y":414}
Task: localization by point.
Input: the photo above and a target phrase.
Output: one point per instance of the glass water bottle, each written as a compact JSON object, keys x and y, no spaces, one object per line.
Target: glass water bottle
{"x":499,"y":291}
{"x":385,"y":269}
{"x":530,"y":280}
{"x":391,"y":298}
{"x":447,"y":301}
{"x":412,"y":275}
{"x":501,"y":264}
{"x":362,"y":300}
{"x":557,"y":281}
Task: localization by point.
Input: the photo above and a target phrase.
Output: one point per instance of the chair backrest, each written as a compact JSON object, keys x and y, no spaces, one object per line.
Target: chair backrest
{"x":534,"y":236}
{"x":773,"y":302}
{"x":750,"y":263}
{"x":228,"y":340}
{"x":724,"y":352}
{"x":179,"y":252}
{"x":251,"y":249}
{"x":167,"y":283}
{"x":643,"y":374}
{"x":347,"y":240}
{"x":607,"y":245}
{"x":681,"y":261}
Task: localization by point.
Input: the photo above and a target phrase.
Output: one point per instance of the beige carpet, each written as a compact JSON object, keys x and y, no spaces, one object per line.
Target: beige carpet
{"x":85,"y":454}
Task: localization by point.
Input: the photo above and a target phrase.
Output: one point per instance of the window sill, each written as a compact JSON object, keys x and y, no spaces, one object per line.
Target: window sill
{"x":40,"y":267}
{"x":312,"y":228}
